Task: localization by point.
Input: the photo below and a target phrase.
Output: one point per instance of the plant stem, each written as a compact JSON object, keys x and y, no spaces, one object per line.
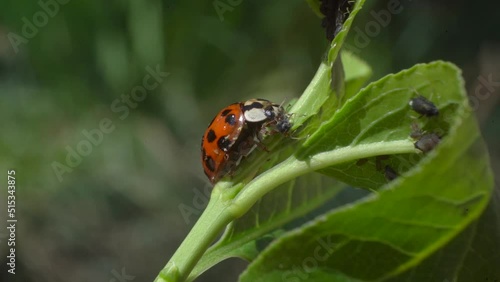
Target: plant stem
{"x":213,"y":220}
{"x":292,"y":168}
{"x":225,"y":207}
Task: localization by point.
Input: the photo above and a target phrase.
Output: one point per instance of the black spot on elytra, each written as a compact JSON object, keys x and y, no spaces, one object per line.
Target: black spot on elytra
{"x":211,"y":136}
{"x":231,"y":119}
{"x":224,"y":143}
{"x":209,"y":163}
{"x":225,"y":112}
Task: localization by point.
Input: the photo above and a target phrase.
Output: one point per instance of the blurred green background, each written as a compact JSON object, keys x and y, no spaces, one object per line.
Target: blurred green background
{"x":64,"y":69}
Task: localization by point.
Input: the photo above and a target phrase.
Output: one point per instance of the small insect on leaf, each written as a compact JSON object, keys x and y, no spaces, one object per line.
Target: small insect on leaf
{"x":427,"y":142}
{"x":336,"y":12}
{"x":416,"y":131}
{"x":423,"y":106}
{"x":390,"y":173}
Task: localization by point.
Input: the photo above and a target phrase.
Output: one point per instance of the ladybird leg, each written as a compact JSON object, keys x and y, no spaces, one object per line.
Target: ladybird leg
{"x":230,"y":166}
{"x":263,"y":132}
{"x":268,"y":128}
{"x":263,"y":147}
{"x":245,"y":147}
{"x":258,"y":140}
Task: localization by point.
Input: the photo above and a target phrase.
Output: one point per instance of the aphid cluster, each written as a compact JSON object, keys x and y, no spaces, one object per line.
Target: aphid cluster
{"x":235,"y":132}
{"x":425,"y":141}
{"x":336,"y":13}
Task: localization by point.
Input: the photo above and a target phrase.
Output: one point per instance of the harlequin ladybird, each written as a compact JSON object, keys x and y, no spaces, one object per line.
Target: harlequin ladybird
{"x":423,"y":106}
{"x":235,"y":131}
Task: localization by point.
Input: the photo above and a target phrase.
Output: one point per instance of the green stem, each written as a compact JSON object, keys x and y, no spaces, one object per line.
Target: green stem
{"x":225,"y":207}
{"x":292,"y":168}
{"x":213,"y":220}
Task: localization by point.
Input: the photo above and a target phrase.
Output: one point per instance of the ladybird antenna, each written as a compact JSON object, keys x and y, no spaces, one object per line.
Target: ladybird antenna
{"x":283,"y":102}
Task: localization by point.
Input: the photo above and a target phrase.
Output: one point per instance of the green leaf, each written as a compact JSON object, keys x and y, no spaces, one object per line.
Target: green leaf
{"x":481,"y":254}
{"x":380,"y":113}
{"x":327,"y":87}
{"x":244,"y":237}
{"x":357,"y":73}
{"x":394,"y":231}
{"x":471,"y":256}
{"x":314,"y":4}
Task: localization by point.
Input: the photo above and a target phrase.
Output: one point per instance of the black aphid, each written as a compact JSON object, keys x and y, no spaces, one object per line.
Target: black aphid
{"x":390,"y":173}
{"x":427,"y":142}
{"x":423,"y":106}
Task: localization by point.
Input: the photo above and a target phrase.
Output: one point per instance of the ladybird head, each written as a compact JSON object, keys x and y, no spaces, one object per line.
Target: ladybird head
{"x":284,"y":125}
